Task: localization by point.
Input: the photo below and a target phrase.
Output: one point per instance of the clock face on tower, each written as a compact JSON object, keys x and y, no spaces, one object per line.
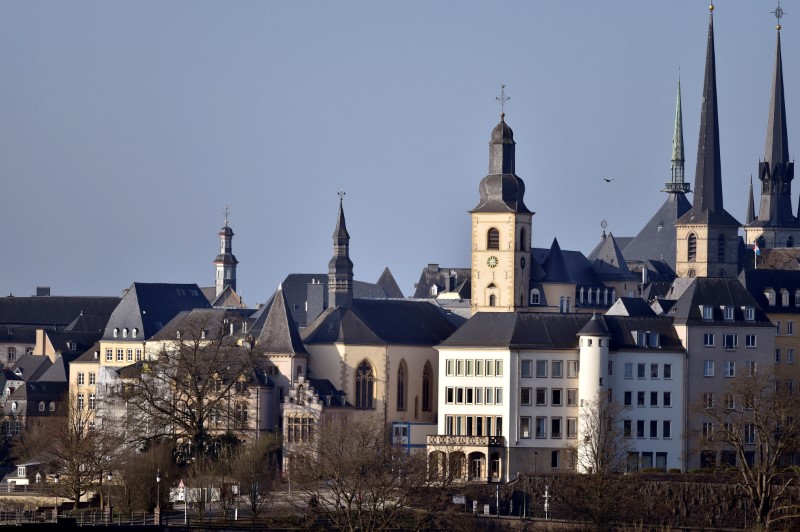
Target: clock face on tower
{"x":492,"y":261}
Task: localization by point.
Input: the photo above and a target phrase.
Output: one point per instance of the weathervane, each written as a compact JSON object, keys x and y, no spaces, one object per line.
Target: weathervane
{"x":225,"y":212}
{"x":502,"y":99}
{"x":779,"y":13}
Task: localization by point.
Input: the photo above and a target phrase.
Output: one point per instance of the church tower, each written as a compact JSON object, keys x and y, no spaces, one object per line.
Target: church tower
{"x":776,"y":225}
{"x":340,"y":267}
{"x":501,"y":232}
{"x":706,"y":236}
{"x":225,"y":262}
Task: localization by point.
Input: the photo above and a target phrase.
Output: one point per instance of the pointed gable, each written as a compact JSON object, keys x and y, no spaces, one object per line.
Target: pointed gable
{"x":279,"y":333}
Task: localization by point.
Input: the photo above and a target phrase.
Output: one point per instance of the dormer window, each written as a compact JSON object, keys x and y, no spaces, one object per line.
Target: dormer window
{"x":14,"y":407}
{"x":178,"y":335}
{"x":535,"y":296}
{"x":646,"y":338}
{"x":769,"y":293}
{"x":125,"y":332}
{"x":41,"y":406}
{"x":134,"y":333}
{"x":785,"y":297}
{"x":708,"y":312}
{"x":750,"y":313}
{"x":21,"y":471}
{"x":116,"y":332}
{"x":203,"y":334}
{"x":71,"y":345}
{"x":728,"y":313}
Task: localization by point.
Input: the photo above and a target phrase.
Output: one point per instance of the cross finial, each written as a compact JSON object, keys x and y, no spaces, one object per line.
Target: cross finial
{"x":341,"y":194}
{"x":502,"y":99}
{"x":779,"y":13}
{"x":225,"y":212}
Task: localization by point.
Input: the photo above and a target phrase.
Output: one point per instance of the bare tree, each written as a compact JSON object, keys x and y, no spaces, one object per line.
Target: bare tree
{"x":188,"y":389}
{"x":601,"y":453}
{"x":254,"y":469}
{"x":135,"y":489}
{"x":352,"y":477}
{"x":756,"y":430}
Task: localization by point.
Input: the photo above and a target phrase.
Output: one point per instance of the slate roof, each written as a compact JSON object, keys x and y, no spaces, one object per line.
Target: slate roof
{"x":192,"y":322}
{"x":622,"y":242}
{"x":28,"y":396}
{"x":657,"y":239}
{"x":622,"y":329}
{"x":31,"y":366}
{"x":279,"y":333}
{"x":379,"y":322}
{"x":717,"y":292}
{"x":325,"y":389}
{"x":595,"y":327}
{"x":445,"y":280}
{"x":609,"y":264}
{"x":52,"y":311}
{"x":150,"y":306}
{"x":73,"y":344}
{"x":756,"y":282}
{"x":560,"y":266}
{"x":389,"y":285}
{"x":630,"y":306}
{"x":295,"y":290}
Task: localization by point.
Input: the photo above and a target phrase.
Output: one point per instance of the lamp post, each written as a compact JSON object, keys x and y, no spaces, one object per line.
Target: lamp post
{"x":56,"y":478}
{"x":158,"y":497}
{"x":109,"y":477}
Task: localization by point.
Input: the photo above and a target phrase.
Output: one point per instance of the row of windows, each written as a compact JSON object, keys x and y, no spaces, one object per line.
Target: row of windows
{"x":555,"y":397}
{"x":473,"y":396}
{"x":299,"y":428}
{"x":556,"y":369}
{"x":555,"y":425}
{"x":82,"y":378}
{"x":92,"y":401}
{"x":652,"y":425}
{"x":730,"y":340}
{"x":121,"y":355}
{"x":473,"y":425}
{"x":789,"y":356}
{"x":476,"y":368}
{"x":728,"y":312}
{"x":645,"y":461}
{"x":748,"y":430}
{"x":769,"y":293}
{"x":751,"y":367}
{"x":605,"y":293}
{"x":656,"y":371}
{"x":642,"y":397}
{"x":134,"y":332}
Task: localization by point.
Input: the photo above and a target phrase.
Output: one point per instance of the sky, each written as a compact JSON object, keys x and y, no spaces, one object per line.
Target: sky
{"x":127,"y":127}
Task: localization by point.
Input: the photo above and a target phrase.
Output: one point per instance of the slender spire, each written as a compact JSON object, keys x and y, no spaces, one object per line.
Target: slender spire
{"x":776,"y":171}
{"x":340,"y":267}
{"x":708,"y":174}
{"x":751,"y":208}
{"x":677,"y":184}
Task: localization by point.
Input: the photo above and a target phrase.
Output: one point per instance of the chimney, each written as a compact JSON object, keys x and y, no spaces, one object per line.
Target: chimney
{"x":42,"y":291}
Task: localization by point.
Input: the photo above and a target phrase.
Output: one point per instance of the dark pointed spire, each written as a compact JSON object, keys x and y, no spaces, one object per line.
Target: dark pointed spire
{"x":776,"y":171}
{"x":708,"y":175}
{"x":677,"y":183}
{"x":340,"y":267}
{"x":279,"y":333}
{"x":751,"y":208}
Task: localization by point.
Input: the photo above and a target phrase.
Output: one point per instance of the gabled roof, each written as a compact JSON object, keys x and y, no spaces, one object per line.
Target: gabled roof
{"x":30,"y":367}
{"x":58,"y":372}
{"x":609,"y":264}
{"x":717,"y":292}
{"x":389,"y":285}
{"x":630,"y":306}
{"x":52,"y":311}
{"x":149,"y":306}
{"x":279,"y":333}
{"x":563,"y":266}
{"x":379,"y":322}
{"x":656,"y":240}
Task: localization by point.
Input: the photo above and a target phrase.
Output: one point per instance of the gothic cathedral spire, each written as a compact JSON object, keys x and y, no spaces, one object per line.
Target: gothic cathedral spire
{"x":776,"y":224}
{"x":501,"y":231}
{"x":225,"y":262}
{"x":706,"y":236}
{"x":340,"y":267}
{"x":677,"y":183}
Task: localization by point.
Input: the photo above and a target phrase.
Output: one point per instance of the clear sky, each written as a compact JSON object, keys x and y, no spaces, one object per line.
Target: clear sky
{"x":126,"y":127}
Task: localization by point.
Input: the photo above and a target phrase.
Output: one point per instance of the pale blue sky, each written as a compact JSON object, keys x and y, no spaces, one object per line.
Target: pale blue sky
{"x":126,"y":127}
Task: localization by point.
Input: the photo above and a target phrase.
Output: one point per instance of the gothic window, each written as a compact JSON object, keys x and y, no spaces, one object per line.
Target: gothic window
{"x":427,"y":387}
{"x":402,"y":386}
{"x":365,"y":386}
{"x":692,"y":247}
{"x":721,"y":248}
{"x":493,"y":239}
{"x":492,"y":300}
{"x":522,"y":239}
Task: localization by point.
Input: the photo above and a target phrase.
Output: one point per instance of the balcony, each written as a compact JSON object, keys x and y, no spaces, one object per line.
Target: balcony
{"x":467,"y":441}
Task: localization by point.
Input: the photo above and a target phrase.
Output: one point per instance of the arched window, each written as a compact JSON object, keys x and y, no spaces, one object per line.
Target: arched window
{"x":365,"y":386}
{"x":761,"y":242}
{"x":493,"y":239}
{"x":135,"y":332}
{"x":721,"y":248}
{"x":116,"y":332}
{"x":522,"y":239}
{"x":492,"y":300}
{"x":402,"y":386}
{"x":427,"y":387}
{"x":692,"y":247}
{"x":691,"y":274}
{"x":535,"y":296}
{"x":125,"y":332}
